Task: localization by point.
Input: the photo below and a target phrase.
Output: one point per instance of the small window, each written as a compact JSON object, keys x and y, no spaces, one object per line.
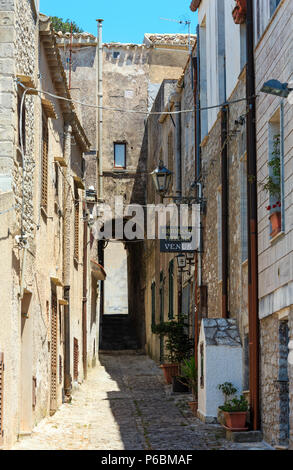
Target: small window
{"x":116,"y":55}
{"x":119,"y":155}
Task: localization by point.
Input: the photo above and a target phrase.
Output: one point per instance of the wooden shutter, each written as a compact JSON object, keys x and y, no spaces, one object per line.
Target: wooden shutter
{"x":34,"y":392}
{"x":76,"y":225}
{"x":45,"y":137}
{"x":75,"y":359}
{"x":1,"y":396}
{"x":60,"y":370}
{"x":54,"y":330}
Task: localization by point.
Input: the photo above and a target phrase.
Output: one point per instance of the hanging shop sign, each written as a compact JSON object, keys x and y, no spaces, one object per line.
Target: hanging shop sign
{"x":179,"y":239}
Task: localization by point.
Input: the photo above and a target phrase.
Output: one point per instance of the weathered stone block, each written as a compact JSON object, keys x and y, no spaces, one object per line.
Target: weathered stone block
{"x":6,"y":18}
{"x":6,"y":149}
{"x":7,"y":131}
{"x":6,"y":66}
{"x":7,"y":34}
{"x":6,"y":5}
{"x":249,"y":436}
{"x":5,"y":183}
{"x":6,"y":50}
{"x":6,"y":165}
{"x":6,"y":84}
{"x":6,"y":100}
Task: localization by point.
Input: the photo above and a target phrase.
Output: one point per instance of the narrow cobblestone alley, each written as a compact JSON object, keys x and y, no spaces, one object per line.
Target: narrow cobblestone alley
{"x":124,"y":405}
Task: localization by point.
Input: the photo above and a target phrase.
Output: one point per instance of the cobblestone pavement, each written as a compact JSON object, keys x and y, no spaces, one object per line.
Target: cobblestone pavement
{"x":124,"y":404}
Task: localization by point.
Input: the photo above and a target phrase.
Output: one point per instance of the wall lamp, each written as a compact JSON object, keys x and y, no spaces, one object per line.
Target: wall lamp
{"x":162,"y":178}
{"x":274,"y":87}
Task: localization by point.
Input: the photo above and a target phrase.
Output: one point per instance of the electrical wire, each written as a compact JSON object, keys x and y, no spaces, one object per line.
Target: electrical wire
{"x":132,"y":111}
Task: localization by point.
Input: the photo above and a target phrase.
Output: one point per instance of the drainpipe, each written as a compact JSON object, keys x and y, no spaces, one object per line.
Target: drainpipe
{"x":178,"y":159}
{"x":178,"y":169}
{"x":99,"y":62}
{"x":197,"y":272}
{"x":84,"y":296}
{"x":66,"y":260}
{"x":196,"y":171}
{"x":252,"y":223}
{"x":225,"y":209}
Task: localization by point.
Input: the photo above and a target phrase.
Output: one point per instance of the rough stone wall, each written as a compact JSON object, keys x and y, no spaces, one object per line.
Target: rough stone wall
{"x":210,"y":155}
{"x":238,"y":293}
{"x":269,"y":366}
{"x":275,"y":256}
{"x":18,"y":49}
{"x":290,"y":376}
{"x":126,"y":87}
{"x":211,"y":175}
{"x":161,"y":132}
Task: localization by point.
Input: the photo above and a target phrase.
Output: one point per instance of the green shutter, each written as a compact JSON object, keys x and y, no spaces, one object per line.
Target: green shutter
{"x":153,"y":303}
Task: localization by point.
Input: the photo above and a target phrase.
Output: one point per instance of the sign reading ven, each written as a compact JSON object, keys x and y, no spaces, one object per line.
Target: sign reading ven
{"x":178,"y":240}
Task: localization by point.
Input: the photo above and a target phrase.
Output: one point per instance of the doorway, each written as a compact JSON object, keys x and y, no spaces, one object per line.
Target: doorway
{"x":26,"y":397}
{"x":54,"y":357}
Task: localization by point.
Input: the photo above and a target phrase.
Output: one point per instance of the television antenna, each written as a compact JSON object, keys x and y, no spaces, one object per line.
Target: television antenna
{"x":186,"y":23}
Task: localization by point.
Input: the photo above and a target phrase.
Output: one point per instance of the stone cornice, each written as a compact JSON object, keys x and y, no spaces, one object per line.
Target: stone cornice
{"x":47,"y":37}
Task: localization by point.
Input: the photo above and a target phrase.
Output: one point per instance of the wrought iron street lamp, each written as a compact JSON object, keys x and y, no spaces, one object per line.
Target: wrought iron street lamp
{"x":162,"y":178}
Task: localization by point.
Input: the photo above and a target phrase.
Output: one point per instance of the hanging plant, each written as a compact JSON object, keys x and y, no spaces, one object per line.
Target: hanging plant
{"x":272,"y":183}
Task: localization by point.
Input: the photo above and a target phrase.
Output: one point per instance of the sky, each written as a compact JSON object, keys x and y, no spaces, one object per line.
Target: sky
{"x":124,"y":21}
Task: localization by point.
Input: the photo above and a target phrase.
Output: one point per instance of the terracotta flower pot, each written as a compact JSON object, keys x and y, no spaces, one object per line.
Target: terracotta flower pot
{"x":235,"y":420}
{"x":239,"y":12}
{"x":170,"y":370}
{"x":193,"y":406}
{"x":276,"y":221}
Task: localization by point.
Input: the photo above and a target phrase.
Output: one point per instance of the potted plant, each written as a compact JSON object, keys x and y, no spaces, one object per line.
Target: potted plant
{"x":189,"y":372}
{"x":239,"y":12}
{"x":272,"y":185}
{"x":234,"y":409}
{"x":178,"y":345}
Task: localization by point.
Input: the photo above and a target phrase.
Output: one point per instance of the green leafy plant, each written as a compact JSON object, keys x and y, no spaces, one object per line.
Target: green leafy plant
{"x":272,"y":183}
{"x":232,"y":404}
{"x":189,"y":372}
{"x":64,"y":25}
{"x":235,"y":405}
{"x":228,"y":390}
{"x":178,"y":344}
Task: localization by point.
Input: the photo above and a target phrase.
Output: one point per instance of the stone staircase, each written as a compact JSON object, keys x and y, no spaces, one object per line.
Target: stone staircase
{"x":118,"y":334}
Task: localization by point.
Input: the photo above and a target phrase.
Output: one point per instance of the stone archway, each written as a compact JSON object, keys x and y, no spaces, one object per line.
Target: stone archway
{"x":123,"y":310}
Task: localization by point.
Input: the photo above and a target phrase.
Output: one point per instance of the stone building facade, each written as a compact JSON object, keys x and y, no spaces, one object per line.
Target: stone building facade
{"x":273,"y":37}
{"x":168,"y":292}
{"x":132,"y":74}
{"x":272,"y":34}
{"x":44,"y":348}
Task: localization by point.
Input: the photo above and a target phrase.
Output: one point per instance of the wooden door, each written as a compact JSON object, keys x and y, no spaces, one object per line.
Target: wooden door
{"x":54,"y":357}
{"x":1,"y":397}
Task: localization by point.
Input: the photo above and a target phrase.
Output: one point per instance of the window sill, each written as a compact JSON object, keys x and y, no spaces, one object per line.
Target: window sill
{"x":277,"y":237}
{"x":245,"y":263}
{"x":44,"y":213}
